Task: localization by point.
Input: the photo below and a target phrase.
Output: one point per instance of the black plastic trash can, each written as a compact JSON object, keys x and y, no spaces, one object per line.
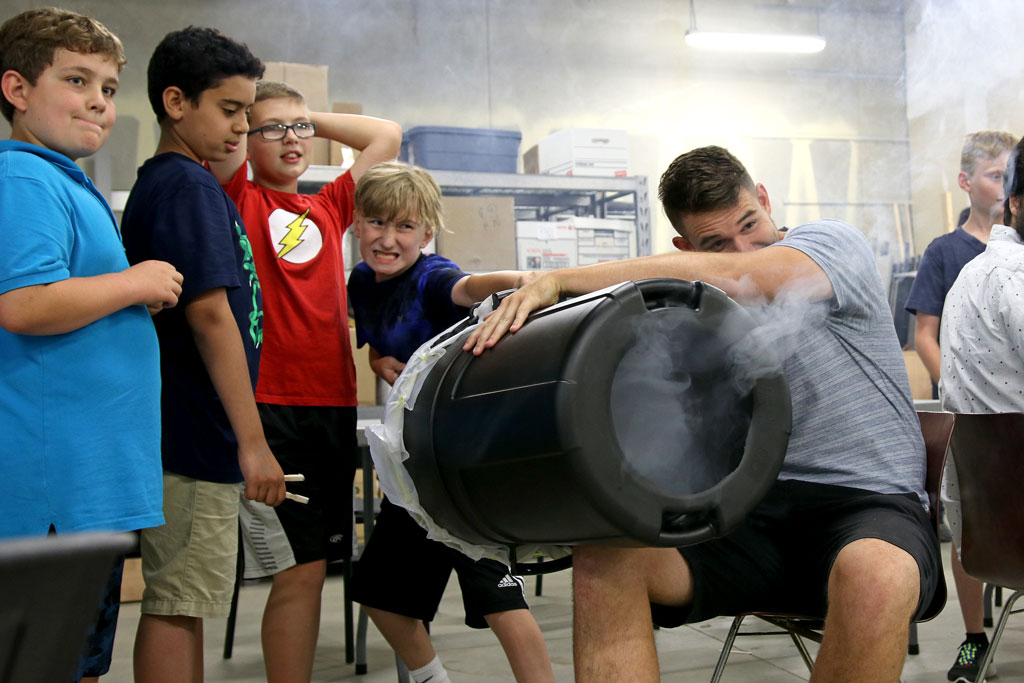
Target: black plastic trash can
{"x":643,"y":414}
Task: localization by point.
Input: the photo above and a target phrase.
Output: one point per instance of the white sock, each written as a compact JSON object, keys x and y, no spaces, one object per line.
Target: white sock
{"x":433,"y":672}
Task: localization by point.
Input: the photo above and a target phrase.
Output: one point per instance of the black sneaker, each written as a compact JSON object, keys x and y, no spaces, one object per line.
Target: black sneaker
{"x":968,"y":661}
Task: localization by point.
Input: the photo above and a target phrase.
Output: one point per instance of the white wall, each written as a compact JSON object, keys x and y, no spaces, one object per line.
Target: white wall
{"x":827,"y":129}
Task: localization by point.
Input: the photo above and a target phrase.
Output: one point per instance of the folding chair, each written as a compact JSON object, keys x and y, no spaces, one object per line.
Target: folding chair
{"x":989,"y":454}
{"x":50,"y":588}
{"x":936,"y":429}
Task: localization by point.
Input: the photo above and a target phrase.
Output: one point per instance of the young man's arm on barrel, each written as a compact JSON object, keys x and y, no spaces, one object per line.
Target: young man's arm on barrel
{"x":748,"y":276}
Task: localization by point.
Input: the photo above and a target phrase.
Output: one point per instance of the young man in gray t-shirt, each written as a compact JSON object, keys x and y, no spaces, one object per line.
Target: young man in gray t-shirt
{"x":846,"y":519}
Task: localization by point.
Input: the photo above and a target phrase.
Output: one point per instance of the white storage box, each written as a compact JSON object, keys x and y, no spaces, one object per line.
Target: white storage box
{"x":545,"y":245}
{"x":585,"y":152}
{"x":603,"y":239}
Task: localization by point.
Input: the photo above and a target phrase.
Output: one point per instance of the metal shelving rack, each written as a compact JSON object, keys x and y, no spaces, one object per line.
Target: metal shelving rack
{"x":539,"y":197}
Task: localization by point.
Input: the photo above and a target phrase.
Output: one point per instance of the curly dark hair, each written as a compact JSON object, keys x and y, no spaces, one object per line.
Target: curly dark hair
{"x":29,"y":40}
{"x":196,"y":59}
{"x":701,"y":180}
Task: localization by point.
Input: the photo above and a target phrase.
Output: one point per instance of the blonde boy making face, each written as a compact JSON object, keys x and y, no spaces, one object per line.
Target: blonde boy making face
{"x":400,"y":299}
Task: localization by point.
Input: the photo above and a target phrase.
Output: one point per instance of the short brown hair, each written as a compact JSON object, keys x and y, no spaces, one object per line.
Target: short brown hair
{"x":394,"y":190}
{"x":701,"y":180}
{"x":29,"y":40}
{"x":984,"y":144}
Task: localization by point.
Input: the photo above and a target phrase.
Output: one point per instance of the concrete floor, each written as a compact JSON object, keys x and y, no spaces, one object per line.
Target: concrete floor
{"x":686,"y":654}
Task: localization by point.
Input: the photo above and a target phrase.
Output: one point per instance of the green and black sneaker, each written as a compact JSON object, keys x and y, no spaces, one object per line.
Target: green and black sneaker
{"x":968,"y":662}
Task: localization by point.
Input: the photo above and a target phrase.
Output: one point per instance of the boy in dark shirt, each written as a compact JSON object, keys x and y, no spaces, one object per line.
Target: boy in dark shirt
{"x":401,"y":298}
{"x":200,"y":85}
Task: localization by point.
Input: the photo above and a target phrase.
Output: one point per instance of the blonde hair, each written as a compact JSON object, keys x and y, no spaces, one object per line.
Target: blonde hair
{"x":270,"y":90}
{"x":984,"y":145}
{"x":29,"y":40}
{"x":393,"y":190}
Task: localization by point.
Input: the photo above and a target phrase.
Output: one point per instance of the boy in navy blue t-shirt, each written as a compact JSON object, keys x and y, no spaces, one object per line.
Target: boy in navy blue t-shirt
{"x":982,"y":167}
{"x":200,"y":85}
{"x":401,"y":298}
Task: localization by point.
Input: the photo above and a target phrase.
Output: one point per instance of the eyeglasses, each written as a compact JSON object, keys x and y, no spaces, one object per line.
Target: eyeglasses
{"x":277,"y":131}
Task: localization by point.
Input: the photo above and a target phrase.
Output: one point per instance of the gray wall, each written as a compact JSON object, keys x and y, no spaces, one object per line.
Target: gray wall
{"x":826,"y":133}
{"x":962,"y":76}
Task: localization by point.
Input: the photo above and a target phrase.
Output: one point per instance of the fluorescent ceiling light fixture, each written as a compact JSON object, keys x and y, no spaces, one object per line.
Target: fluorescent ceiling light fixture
{"x":755,"y":42}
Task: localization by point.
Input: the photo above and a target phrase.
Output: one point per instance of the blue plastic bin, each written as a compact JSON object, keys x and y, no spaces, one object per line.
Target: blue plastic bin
{"x":462,"y":149}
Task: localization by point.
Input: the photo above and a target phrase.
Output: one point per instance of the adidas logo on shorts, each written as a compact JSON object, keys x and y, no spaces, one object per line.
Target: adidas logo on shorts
{"x":508,"y":582}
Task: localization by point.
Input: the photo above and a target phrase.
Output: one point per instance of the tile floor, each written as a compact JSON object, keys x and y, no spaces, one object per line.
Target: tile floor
{"x":686,"y":654}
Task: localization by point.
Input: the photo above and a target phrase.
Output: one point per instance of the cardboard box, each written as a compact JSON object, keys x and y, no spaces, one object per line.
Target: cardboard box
{"x":531,"y":163}
{"x":339,"y":154}
{"x":366,"y":381}
{"x":917,"y":373}
{"x":311,"y":81}
{"x":584,"y":152}
{"x":545,"y":245}
{"x":357,"y":497}
{"x":480,"y":234}
{"x":603,"y":239}
{"x":132,"y":584}
{"x":357,"y":487}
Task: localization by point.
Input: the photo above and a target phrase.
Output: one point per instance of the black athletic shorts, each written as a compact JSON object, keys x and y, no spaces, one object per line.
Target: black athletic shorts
{"x":780,"y":557}
{"x":318,"y":442}
{"x":404,"y":572}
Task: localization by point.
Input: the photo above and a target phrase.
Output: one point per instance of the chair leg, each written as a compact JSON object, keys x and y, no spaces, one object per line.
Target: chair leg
{"x":346,"y":577}
{"x":402,"y":670}
{"x":361,"y":642}
{"x":913,"y":647}
{"x":229,"y":630}
{"x":802,"y":648}
{"x":997,"y":634}
{"x":727,"y":644}
{"x":987,"y":601}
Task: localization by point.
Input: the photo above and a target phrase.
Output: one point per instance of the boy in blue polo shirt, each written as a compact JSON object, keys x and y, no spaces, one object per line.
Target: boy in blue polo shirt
{"x":79,"y":400}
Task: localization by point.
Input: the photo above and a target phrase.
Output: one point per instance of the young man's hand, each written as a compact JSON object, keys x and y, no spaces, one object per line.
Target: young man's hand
{"x":264,"y":479}
{"x":513,"y":310}
{"x":388,"y":368}
{"x":155,"y":284}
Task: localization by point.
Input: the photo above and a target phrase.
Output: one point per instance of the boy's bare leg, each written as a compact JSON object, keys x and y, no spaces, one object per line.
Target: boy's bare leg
{"x":873,"y":590}
{"x":291,"y":623}
{"x":408,"y":637}
{"x":168,"y":649}
{"x":524,"y":645}
{"x":613,"y":638}
{"x":970,"y":593}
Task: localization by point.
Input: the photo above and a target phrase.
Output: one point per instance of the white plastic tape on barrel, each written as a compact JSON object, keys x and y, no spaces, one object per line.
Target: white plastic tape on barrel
{"x":389,"y":454}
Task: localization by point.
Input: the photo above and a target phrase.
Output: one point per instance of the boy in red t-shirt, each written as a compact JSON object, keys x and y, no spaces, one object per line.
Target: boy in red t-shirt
{"x":306,"y":391}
